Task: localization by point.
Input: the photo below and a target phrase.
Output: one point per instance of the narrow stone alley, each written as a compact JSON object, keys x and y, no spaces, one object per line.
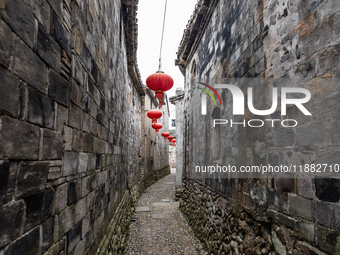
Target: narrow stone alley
{"x":248,"y":163}
{"x":159,"y":227}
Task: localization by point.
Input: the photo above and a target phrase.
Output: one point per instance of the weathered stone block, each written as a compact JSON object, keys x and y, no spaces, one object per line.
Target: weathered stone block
{"x":327,"y":189}
{"x":29,"y":67}
{"x":47,"y":234}
{"x":61,"y":198}
{"x":33,"y":211}
{"x":62,"y":116}
{"x":78,"y":71}
{"x":42,"y":11}
{"x":75,"y":94}
{"x":70,"y":163}
{"x":48,"y":49}
{"x":52,"y":145}
{"x":68,"y":135}
{"x":19,"y":17}
{"x":306,"y":231}
{"x":91,"y":200}
{"x":59,"y":88}
{"x":75,"y":116}
{"x":53,"y":250}
{"x":285,"y":219}
{"x":40,"y":109}
{"x":47,"y":208}
{"x":78,"y":140}
{"x":93,"y":126}
{"x":320,"y":85}
{"x":28,"y":244}
{"x":274,"y":159}
{"x":74,"y":192}
{"x":284,"y":137}
{"x":32,"y":178}
{"x":311,"y":134}
{"x":6,"y":38}
{"x":81,"y":209}
{"x":4,"y":176}
{"x":9,"y":93}
{"x":56,"y":6}
{"x":60,"y":34}
{"x":74,"y":236}
{"x":66,"y":220}
{"x":89,"y":144}
{"x":300,"y":206}
{"x":86,"y":225}
{"x":83,"y":160}
{"x":10,"y":221}
{"x":19,"y":140}
{"x":86,"y":123}
{"x":85,"y":103}
{"x":80,"y":249}
{"x":285,"y":183}
{"x":305,"y":187}
{"x":324,"y":214}
{"x":85,"y":187}
{"x":328,"y":240}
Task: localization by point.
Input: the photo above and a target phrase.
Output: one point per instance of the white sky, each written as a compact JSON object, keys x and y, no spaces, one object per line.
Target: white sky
{"x":150,"y":21}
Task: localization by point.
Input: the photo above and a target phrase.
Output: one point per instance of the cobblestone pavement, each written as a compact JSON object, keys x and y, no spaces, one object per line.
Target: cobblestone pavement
{"x":163,"y":229}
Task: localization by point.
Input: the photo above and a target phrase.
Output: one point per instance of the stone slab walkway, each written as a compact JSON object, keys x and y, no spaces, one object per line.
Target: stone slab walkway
{"x":163,"y":229}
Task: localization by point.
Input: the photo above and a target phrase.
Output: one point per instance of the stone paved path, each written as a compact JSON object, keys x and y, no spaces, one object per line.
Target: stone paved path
{"x":163,"y":229}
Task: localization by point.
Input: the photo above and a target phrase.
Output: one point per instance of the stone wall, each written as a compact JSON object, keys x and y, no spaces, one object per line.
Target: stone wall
{"x":70,"y":122}
{"x":268,"y":39}
{"x":172,"y":156}
{"x":224,"y":226}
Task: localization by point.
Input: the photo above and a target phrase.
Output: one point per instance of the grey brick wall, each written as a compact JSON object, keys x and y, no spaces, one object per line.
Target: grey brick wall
{"x":269,"y":39}
{"x":70,"y":123}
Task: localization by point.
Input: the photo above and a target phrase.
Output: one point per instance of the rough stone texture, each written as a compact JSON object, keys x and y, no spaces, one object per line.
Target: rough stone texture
{"x":172,"y":156}
{"x":19,"y":140}
{"x":71,"y":125}
{"x":292,"y":44}
{"x":178,"y":102}
{"x":11,"y":220}
{"x":28,"y":244}
{"x":223,"y":225}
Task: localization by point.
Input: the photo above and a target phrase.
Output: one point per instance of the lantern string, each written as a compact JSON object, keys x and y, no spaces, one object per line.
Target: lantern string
{"x":160,"y":52}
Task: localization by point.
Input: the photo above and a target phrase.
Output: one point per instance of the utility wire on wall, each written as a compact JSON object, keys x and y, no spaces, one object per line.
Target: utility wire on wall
{"x":160,"y":52}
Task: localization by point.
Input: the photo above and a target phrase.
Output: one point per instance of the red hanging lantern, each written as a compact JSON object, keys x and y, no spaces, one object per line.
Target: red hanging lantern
{"x":157,"y":126}
{"x":154,"y":115}
{"x":159,"y":82}
{"x":170,"y":138}
{"x":165,"y":135}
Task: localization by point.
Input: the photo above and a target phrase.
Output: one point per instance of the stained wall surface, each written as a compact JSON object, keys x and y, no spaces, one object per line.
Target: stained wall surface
{"x":269,"y":39}
{"x":70,"y":122}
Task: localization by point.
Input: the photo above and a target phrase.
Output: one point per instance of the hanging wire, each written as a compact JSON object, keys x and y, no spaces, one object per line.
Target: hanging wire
{"x":160,"y":52}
